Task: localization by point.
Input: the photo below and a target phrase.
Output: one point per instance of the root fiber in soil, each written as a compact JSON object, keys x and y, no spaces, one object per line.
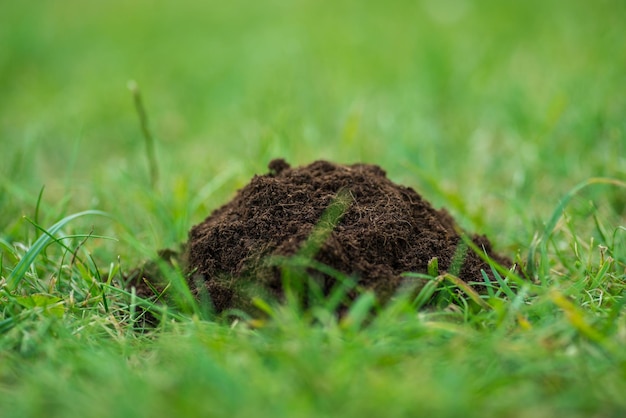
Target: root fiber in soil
{"x":348,"y":217}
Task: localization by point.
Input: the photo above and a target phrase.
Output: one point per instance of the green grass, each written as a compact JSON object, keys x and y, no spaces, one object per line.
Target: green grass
{"x":509,"y":114}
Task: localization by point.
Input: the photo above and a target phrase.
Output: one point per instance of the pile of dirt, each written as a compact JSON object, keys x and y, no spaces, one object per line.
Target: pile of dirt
{"x":351,"y":218}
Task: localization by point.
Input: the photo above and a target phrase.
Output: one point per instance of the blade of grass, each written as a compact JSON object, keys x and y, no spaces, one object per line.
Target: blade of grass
{"x":485,"y":257}
{"x":504,"y":285}
{"x":145,"y":130}
{"x":575,"y":317}
{"x":541,"y":244}
{"x":427,"y":292}
{"x":488,"y":284}
{"x":147,"y":304}
{"x":359,"y":311}
{"x":181,"y":292}
{"x":38,"y":205}
{"x":468,"y":290}
{"x":7,"y":324}
{"x":338,"y":292}
{"x":458,"y":258}
{"x":24,"y":264}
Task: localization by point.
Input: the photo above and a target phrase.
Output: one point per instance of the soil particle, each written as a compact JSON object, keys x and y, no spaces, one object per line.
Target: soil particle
{"x":378,"y":231}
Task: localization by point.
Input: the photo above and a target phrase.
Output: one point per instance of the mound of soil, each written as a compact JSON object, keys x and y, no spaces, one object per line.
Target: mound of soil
{"x":351,"y":218}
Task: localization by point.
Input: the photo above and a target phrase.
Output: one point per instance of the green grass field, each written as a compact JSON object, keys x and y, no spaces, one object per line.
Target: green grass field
{"x":509,"y":114}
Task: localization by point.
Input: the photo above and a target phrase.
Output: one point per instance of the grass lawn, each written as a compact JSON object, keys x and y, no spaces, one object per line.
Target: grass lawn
{"x":509,"y":114}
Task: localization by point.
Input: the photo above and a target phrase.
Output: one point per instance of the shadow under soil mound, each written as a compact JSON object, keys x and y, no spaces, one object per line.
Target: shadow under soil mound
{"x":349,"y":217}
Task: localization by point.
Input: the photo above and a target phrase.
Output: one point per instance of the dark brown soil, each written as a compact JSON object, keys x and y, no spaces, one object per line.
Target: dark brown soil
{"x":351,"y":218}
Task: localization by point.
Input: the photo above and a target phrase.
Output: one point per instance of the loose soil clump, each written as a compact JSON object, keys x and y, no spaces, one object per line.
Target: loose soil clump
{"x":348,"y":217}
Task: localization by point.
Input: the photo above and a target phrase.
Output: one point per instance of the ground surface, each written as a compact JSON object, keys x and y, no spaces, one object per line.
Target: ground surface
{"x":507,"y":114}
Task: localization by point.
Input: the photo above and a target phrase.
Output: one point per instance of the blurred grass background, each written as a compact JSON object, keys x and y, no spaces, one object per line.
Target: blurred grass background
{"x":493,"y":109}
